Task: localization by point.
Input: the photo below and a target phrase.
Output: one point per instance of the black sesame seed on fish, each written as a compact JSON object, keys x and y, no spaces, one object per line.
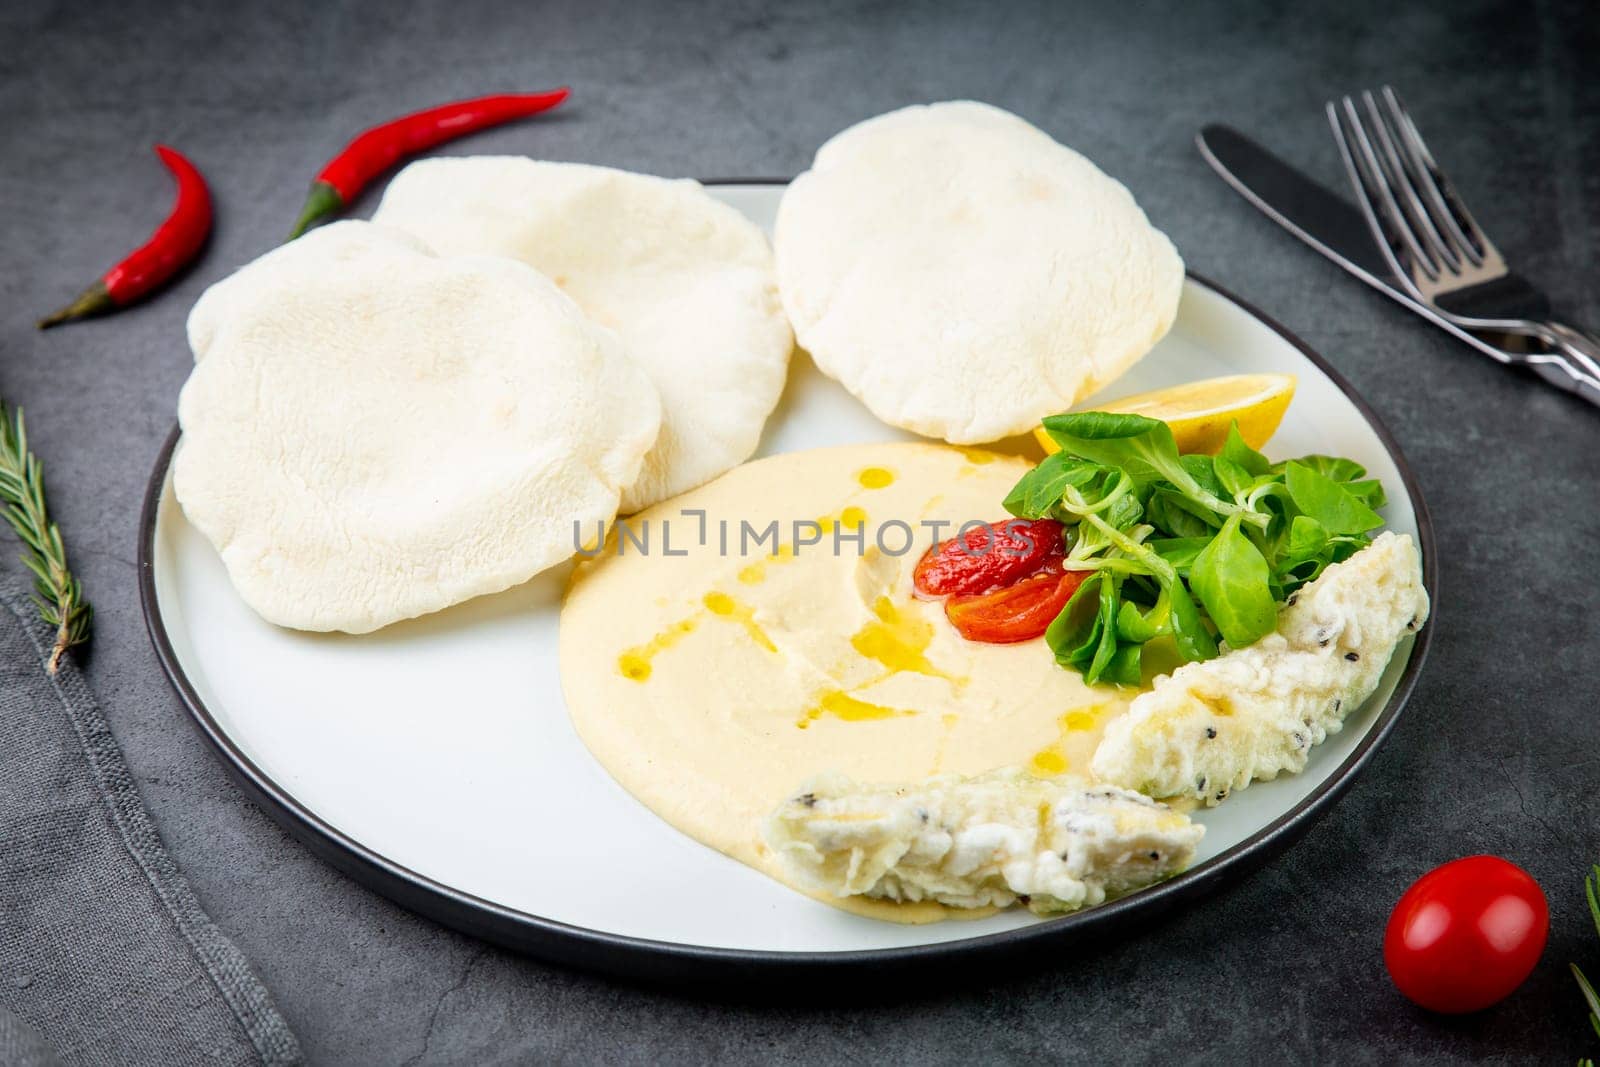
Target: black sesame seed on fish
{"x":1200,"y":786}
{"x":1299,"y":739}
{"x":1351,"y":656}
{"x":1211,"y":733}
{"x":1155,"y":856}
{"x":1291,"y":600}
{"x":1338,"y":702}
{"x":1412,"y":625}
{"x":807,"y":799}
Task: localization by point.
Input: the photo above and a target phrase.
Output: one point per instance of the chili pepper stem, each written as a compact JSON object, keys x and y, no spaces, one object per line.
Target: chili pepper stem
{"x":94,"y":301}
{"x":323,"y":201}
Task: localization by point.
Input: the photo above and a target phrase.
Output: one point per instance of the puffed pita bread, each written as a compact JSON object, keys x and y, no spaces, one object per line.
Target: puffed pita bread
{"x":686,"y":281}
{"x":964,"y":275}
{"x":372,"y":432}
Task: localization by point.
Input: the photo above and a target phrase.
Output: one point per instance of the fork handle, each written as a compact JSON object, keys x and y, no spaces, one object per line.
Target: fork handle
{"x":1581,"y":350}
{"x":1560,"y":372}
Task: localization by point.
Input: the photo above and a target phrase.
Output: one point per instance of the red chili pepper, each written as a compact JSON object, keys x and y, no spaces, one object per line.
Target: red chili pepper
{"x":378,"y":149}
{"x":987,"y":556}
{"x":171,"y":248}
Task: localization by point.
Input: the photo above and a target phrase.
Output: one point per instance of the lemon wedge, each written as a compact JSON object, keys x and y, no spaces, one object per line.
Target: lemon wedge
{"x":1200,"y":412}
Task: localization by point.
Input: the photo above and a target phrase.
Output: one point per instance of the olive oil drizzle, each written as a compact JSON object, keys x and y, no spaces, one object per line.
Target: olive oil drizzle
{"x":892,"y":638}
{"x":723,"y":605}
{"x":842,"y":705}
{"x":896,"y":640}
{"x":875,"y":478}
{"x":851,"y":517}
{"x":636,"y":663}
{"x":1052,"y":759}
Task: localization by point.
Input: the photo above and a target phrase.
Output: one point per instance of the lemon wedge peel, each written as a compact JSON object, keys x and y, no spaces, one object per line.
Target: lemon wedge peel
{"x":1200,"y":412}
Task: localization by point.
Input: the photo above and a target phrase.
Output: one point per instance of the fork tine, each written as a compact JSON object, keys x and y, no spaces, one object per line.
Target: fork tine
{"x":1383,"y":214}
{"x":1366,"y":199}
{"x":1386,"y":204}
{"x":1401,"y":182}
{"x":1447,"y":207}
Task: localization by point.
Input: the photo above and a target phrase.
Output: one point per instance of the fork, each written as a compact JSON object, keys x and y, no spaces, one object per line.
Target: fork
{"x":1439,"y":253}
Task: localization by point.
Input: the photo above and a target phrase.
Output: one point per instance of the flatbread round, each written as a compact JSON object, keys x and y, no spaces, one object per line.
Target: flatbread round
{"x":964,"y":275}
{"x":685,"y":281}
{"x":372,"y":433}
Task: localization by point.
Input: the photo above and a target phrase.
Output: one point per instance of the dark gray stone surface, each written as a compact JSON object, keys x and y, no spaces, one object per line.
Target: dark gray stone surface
{"x":1500,"y":751}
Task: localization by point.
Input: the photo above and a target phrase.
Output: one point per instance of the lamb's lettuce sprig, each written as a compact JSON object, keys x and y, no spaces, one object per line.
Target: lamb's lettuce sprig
{"x":1187,"y":547}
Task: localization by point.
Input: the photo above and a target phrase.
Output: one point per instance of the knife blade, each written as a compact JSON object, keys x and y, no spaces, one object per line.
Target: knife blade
{"x":1320,"y":218}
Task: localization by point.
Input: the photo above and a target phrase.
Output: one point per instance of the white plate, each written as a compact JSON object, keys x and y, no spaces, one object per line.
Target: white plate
{"x":434,"y":759}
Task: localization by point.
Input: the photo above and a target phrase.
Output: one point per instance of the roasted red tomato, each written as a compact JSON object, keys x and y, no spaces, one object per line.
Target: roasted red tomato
{"x":1466,"y":934}
{"x":987,"y":557}
{"x":1019,"y":612}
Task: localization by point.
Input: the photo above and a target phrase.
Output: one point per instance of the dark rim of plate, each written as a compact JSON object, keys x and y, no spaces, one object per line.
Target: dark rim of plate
{"x":665,"y":961}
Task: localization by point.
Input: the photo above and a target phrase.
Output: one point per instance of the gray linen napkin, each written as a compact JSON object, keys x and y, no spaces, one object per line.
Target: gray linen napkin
{"x":105,"y":955}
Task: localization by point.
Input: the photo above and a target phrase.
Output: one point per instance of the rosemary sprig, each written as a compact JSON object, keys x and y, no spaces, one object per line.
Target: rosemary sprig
{"x":56,"y":591}
{"x":1591,"y":888}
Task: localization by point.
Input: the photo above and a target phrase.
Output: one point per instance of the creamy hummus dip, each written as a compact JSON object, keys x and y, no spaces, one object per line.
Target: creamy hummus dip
{"x":710,"y":681}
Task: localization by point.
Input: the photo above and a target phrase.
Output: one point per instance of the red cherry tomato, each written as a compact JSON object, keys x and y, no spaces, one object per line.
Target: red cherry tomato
{"x":987,"y":557}
{"x":1466,"y":934}
{"x":1019,"y":612}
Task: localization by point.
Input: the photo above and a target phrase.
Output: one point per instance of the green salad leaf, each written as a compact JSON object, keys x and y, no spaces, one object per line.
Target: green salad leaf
{"x":1329,"y":502}
{"x":1184,"y":548}
{"x":1142,"y":447}
{"x":1231,"y":579}
{"x":1236,"y":451}
{"x":1041,"y":488}
{"x":1334,"y":468}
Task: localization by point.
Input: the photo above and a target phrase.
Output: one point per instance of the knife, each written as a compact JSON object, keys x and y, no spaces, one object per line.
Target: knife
{"x":1324,"y":220}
